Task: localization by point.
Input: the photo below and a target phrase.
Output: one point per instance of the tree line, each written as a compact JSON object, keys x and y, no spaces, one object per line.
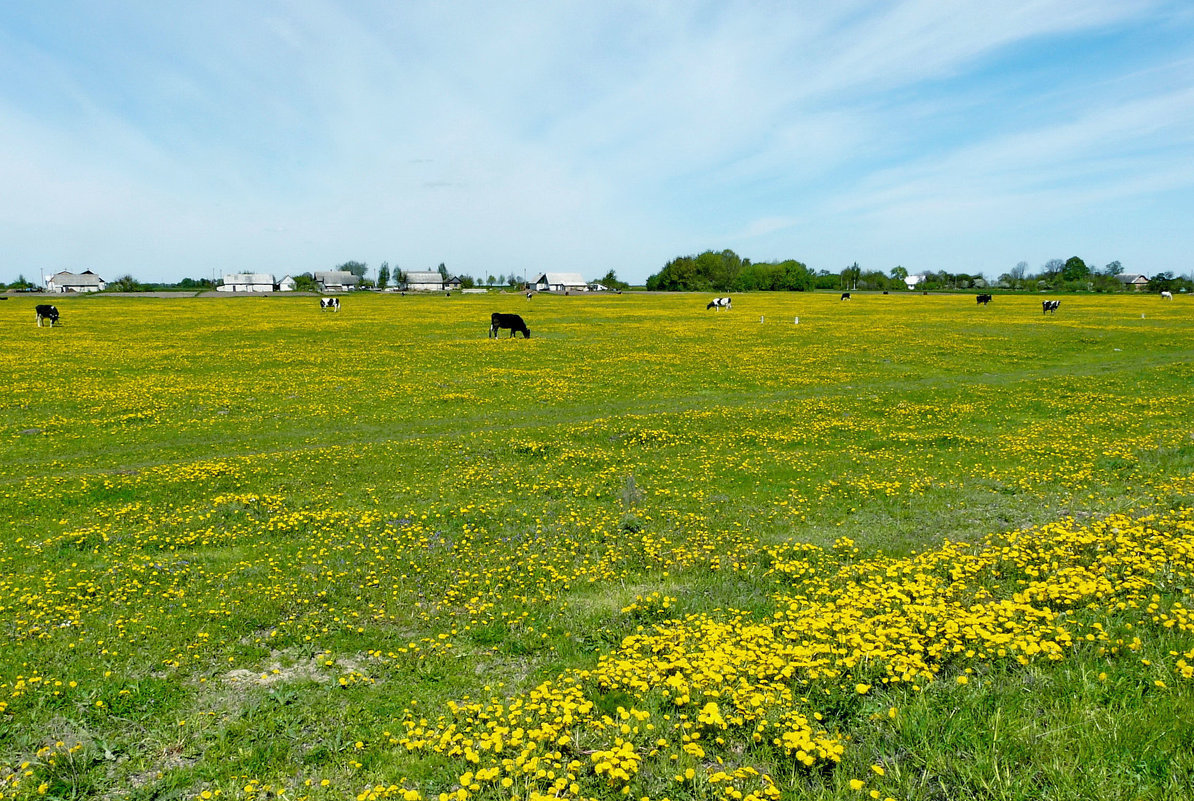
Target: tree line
{"x":726,"y":271}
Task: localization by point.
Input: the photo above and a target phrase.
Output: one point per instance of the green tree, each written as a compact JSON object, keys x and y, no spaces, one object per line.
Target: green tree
{"x":383,"y":275}
{"x":1114,"y":268}
{"x":306,"y":283}
{"x":1074,"y":269}
{"x":708,"y":271}
{"x":611,"y":280}
{"x":1161,"y":282}
{"x":443,"y":271}
{"x":125,"y":283}
{"x":197,"y":283}
{"x":850,"y":276}
{"x":357,"y":268}
{"x":899,"y":273}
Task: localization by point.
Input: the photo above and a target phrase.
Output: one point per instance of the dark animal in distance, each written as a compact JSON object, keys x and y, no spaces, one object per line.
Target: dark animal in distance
{"x":46,"y":312}
{"x":1049,"y":306}
{"x":845,"y":296}
{"x":983,"y":299}
{"x":720,"y":303}
{"x":329,"y":303}
{"x":511,"y":321}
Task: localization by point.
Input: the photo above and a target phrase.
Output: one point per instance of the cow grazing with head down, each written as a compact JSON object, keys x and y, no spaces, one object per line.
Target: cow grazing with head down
{"x":46,"y":312}
{"x":845,"y":296}
{"x":511,"y":321}
{"x":983,"y":299}
{"x":1049,"y":306}
{"x":329,"y":303}
{"x":720,"y":303}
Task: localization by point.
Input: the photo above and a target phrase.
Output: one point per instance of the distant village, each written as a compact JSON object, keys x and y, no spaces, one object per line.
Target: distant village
{"x":330,"y":281}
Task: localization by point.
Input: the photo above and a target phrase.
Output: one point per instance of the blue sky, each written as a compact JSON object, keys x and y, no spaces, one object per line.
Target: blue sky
{"x":173,"y":139}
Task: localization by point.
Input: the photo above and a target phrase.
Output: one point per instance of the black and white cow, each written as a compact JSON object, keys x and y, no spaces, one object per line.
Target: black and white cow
{"x":983,"y":299}
{"x":720,"y":303}
{"x":845,"y":296}
{"x":329,"y":303}
{"x":1049,"y":306}
{"x":511,"y":321}
{"x":46,"y":312}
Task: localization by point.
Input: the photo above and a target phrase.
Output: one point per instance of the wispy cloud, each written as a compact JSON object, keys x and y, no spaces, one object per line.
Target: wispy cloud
{"x":174,"y":141}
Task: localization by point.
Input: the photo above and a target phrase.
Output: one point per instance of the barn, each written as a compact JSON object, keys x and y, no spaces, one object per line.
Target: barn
{"x":560,"y":282}
{"x":424,"y":281}
{"x":336,"y":281}
{"x":247,"y":282}
{"x":85,"y":281}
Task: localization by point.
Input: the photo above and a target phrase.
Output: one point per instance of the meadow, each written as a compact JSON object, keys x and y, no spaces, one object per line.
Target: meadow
{"x":904,"y":548}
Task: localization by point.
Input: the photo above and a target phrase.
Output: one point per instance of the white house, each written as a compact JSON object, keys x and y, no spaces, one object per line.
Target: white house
{"x":85,"y":281}
{"x":336,"y":281}
{"x":424,"y":281}
{"x":912,"y":280}
{"x":560,"y":282}
{"x":287,"y":284}
{"x":247,"y":282}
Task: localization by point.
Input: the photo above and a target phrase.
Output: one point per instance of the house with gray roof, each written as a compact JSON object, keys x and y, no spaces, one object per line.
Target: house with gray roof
{"x":424,"y":281}
{"x":1133,"y":281}
{"x":85,"y":281}
{"x":336,"y":281}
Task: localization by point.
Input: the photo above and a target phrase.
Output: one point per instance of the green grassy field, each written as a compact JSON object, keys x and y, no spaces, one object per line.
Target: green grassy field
{"x":906,"y":548}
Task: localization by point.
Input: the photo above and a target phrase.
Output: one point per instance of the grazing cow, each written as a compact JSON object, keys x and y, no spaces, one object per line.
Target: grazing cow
{"x":1166,"y":294}
{"x":46,"y":312}
{"x":329,"y":303}
{"x":720,"y":303}
{"x":983,"y":299}
{"x":511,"y":321}
{"x":845,"y":296}
{"x":1049,"y":306}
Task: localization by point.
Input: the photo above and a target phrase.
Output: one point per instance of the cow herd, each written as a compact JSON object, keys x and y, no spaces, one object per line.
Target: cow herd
{"x":48,"y":314}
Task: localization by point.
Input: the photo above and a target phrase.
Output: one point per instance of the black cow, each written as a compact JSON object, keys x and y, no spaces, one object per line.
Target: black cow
{"x":845,"y":296}
{"x":329,"y":303}
{"x":1049,"y":306}
{"x":511,"y":321}
{"x":983,"y":299}
{"x":46,"y":312}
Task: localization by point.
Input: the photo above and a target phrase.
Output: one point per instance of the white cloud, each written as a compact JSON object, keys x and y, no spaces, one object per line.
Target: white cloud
{"x":597,"y":135}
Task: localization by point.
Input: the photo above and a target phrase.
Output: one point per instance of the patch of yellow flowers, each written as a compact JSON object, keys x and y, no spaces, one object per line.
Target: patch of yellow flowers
{"x":712,"y":692}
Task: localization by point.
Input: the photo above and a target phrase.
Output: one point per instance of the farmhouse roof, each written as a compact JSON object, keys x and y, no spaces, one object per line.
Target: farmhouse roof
{"x":1131,"y":278}
{"x":337,"y":277}
{"x":66,"y":278}
{"x":423,"y":276}
{"x":249,"y":278}
{"x":564,"y":279}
